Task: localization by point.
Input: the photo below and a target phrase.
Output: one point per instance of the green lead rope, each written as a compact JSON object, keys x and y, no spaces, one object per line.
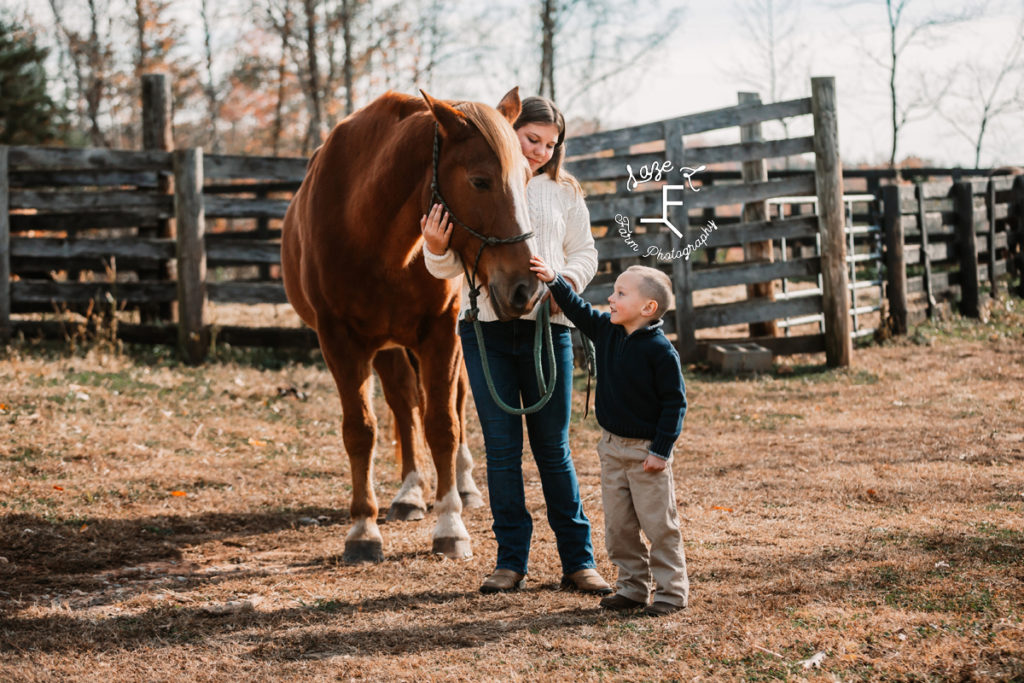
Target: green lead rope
{"x":542,"y":335}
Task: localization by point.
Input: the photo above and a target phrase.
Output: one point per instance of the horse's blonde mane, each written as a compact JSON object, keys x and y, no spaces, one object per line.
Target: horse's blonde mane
{"x":498,"y":134}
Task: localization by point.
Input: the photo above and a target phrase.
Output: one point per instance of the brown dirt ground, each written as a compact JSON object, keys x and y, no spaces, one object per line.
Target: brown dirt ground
{"x":873,"y":514}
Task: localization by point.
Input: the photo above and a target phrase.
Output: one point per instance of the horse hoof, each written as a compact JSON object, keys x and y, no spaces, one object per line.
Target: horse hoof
{"x":472,"y":500}
{"x":405,"y":512}
{"x":453,"y":548}
{"x":360,"y":552}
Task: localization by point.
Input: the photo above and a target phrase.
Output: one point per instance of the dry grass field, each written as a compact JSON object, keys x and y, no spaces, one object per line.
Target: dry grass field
{"x":161,"y":522}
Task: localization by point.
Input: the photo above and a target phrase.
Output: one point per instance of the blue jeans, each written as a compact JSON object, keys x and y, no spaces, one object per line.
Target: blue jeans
{"x":510,"y":357}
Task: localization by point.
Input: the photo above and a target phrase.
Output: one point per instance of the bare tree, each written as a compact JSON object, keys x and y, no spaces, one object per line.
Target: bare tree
{"x":987,"y":93}
{"x":775,"y":63}
{"x":905,"y":32}
{"x":580,"y":43}
{"x":210,"y":88}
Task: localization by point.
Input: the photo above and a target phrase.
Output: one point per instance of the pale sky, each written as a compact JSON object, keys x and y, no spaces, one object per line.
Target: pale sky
{"x":694,"y":74}
{"x":696,"y":69}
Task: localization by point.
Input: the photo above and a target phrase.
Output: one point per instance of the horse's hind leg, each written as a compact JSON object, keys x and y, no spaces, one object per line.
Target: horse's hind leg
{"x":403,"y":395}
{"x":350,"y":367}
{"x":468,"y":491}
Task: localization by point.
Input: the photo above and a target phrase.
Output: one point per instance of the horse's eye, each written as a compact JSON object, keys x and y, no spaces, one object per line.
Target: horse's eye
{"x":480,"y":183}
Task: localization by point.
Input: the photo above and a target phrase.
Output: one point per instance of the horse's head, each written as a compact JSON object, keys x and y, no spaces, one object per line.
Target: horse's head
{"x":482,"y":175}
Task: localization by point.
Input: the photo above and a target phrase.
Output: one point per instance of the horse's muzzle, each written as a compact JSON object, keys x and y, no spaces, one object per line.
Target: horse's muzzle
{"x":516,"y":299}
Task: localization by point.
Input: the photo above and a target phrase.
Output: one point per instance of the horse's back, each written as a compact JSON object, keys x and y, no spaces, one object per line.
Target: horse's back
{"x":339,"y":212}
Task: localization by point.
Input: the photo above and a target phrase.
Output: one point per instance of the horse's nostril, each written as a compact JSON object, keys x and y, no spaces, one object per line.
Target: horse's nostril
{"x":521,"y":295}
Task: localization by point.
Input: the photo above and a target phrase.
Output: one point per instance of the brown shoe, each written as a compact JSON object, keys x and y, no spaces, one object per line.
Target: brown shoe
{"x":503,"y":581}
{"x":620,"y":603}
{"x":585,"y":581}
{"x":661,"y":609}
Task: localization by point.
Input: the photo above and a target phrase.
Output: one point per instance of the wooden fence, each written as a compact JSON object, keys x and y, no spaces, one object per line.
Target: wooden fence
{"x":82,"y":228}
{"x":944,"y":238}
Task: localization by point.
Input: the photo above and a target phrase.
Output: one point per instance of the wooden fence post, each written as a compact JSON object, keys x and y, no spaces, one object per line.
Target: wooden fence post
{"x":895,"y":261}
{"x":682,"y":270}
{"x":5,"y":249}
{"x":191,"y":253}
{"x":756,"y":172}
{"x":967,"y":248}
{"x":828,"y":180}
{"x":1015,"y":234}
{"x":993,"y":251}
{"x":926,"y":257}
{"x":157,"y":134}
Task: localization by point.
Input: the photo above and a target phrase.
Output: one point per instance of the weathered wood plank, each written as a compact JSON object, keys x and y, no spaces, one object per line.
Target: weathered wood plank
{"x":925,"y":255}
{"x":755,"y":310}
{"x":938,"y":252}
{"x":275,"y":337}
{"x":911,"y":205}
{"x":129,"y":332}
{"x":5,"y":249}
{"x":242,"y":252}
{"x":74,"y":222}
{"x":801,"y":227}
{"x":47,"y":291}
{"x":126,"y":248}
{"x":612,"y":168}
{"x":895,"y":260}
{"x":943,"y":282}
{"x":723,"y":195}
{"x":145,"y":204}
{"x":247,"y":292}
{"x":779,"y":346}
{"x":67,"y":159}
{"x":756,"y":171}
{"x":141,"y":179}
{"x":749,"y":151}
{"x":236,"y":207}
{"x":828,"y":178}
{"x":236,"y":167}
{"x":193,"y":336}
{"x":691,"y":123}
{"x":682,"y":273}
{"x":751,"y":272}
{"x":967,"y":251}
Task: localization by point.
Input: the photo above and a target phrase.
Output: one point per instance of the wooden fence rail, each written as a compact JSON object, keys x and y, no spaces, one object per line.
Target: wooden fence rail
{"x":157,"y":227}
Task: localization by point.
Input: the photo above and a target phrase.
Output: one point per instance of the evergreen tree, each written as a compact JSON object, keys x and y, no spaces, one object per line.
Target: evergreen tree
{"x":27,"y":113}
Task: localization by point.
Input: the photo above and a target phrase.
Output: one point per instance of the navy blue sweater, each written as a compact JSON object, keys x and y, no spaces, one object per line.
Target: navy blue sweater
{"x":640,"y":390}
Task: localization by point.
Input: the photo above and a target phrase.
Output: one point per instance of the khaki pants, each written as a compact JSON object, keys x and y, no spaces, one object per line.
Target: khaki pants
{"x":635,"y":500}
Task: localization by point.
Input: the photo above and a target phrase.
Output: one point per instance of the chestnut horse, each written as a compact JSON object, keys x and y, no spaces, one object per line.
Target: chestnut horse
{"x":351,"y":258}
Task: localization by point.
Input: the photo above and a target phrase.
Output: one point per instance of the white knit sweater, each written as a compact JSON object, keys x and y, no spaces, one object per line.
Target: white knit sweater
{"x":561,"y":236}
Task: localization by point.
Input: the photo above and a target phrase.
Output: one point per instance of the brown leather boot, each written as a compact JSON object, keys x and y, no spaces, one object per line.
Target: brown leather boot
{"x":585,"y":581}
{"x":503,"y":581}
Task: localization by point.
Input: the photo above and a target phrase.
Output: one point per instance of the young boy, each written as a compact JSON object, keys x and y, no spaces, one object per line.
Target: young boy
{"x":640,"y":404}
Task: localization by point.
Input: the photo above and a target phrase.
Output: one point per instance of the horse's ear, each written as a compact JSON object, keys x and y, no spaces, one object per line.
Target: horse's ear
{"x":452,"y":121}
{"x":510,"y":106}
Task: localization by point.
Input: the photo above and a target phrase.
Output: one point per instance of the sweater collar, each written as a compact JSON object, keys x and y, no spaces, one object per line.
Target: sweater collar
{"x":648,"y":330}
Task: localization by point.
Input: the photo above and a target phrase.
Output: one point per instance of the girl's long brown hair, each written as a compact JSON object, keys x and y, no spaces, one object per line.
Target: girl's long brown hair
{"x":537,"y":109}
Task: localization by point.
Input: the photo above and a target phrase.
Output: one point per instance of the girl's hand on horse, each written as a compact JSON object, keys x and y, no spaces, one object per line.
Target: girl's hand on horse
{"x":436,"y":229}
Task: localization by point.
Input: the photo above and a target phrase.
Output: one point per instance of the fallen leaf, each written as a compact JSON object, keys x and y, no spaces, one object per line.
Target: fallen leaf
{"x":812,"y":662}
{"x":721,"y":507}
{"x":83,"y":528}
{"x":873,"y":493}
{"x":257,"y":443}
{"x":58,"y":488}
{"x":178,"y":494}
{"x":4,"y":406}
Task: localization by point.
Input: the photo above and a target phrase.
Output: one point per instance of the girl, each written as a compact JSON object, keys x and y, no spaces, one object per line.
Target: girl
{"x":561,"y":225}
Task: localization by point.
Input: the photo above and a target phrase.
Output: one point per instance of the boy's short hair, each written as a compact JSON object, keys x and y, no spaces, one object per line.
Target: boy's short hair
{"x":655,"y":285}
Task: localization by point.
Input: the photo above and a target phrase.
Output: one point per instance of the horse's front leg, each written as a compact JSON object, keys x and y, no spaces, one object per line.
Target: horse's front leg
{"x":439,"y":370}
{"x":402,"y":392}
{"x":350,"y":366}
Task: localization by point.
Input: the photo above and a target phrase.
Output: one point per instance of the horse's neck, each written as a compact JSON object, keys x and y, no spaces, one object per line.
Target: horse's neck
{"x":410,"y":171}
